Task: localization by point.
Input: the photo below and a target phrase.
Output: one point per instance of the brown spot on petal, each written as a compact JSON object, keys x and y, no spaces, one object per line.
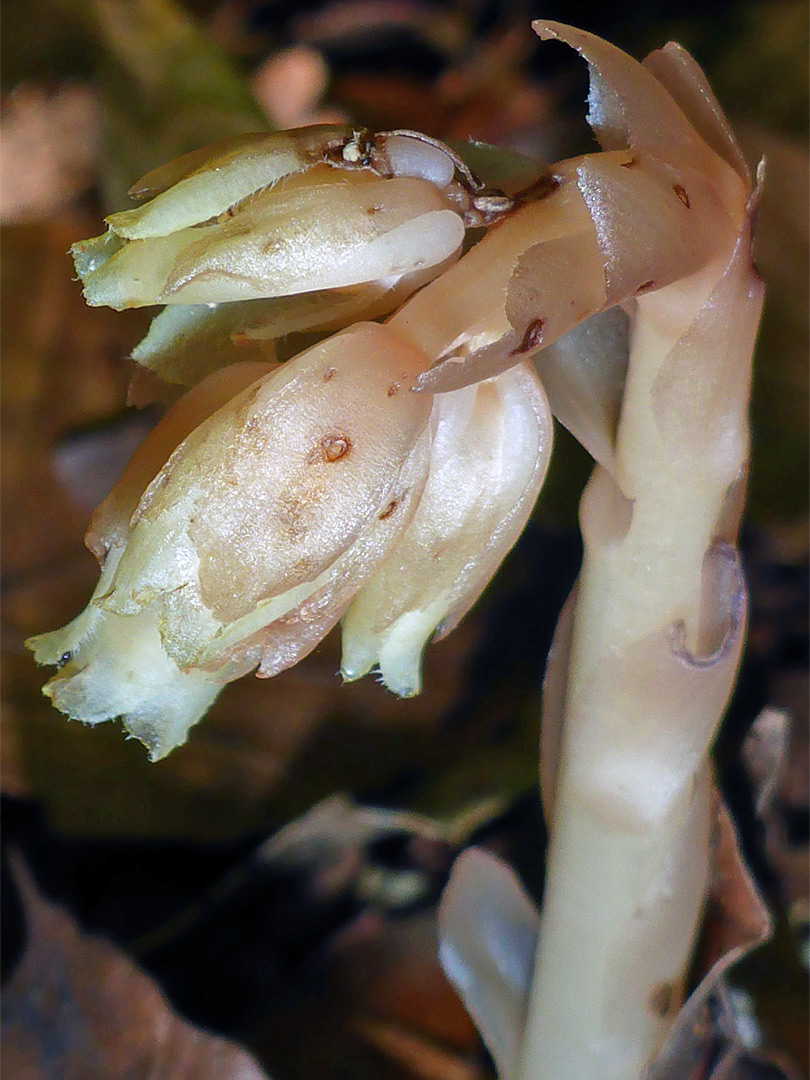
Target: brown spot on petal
{"x":331,"y":448}
{"x":532,"y":338}
{"x":330,"y":373}
{"x":645,"y":286}
{"x":393,"y":389}
{"x":373,"y":209}
{"x":680,"y":191}
{"x":388,"y":511}
{"x":629,"y":164}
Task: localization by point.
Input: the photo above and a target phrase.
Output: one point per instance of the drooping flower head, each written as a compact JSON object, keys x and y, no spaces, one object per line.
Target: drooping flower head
{"x":240,"y":547}
{"x":382,"y":474}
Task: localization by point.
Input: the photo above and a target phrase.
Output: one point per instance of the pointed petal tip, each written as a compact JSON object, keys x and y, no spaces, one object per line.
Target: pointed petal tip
{"x":350,"y":673}
{"x":545,"y":30}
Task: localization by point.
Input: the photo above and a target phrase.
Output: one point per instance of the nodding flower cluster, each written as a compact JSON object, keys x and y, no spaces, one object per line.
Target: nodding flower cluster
{"x":380,"y":475}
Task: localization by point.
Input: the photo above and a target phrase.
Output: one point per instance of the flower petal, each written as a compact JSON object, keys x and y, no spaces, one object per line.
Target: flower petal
{"x":207,"y":182}
{"x":299,"y":240}
{"x":491,"y":448}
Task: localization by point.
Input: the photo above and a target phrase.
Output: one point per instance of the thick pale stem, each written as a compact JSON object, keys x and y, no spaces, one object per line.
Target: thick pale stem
{"x":656,"y":638}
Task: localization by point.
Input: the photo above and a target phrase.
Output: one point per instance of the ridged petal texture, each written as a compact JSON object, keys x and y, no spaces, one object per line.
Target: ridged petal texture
{"x":491,"y":448}
{"x":247,"y":545}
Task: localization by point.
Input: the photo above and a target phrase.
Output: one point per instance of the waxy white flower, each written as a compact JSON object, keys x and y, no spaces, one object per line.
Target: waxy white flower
{"x":491,"y":448}
{"x":272,"y":498}
{"x":267,"y":500}
{"x":246,"y":546}
{"x":275,"y":215}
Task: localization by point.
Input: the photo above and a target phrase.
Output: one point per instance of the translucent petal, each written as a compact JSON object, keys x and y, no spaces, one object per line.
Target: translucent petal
{"x":488,"y":929}
{"x":114,"y":667}
{"x":264,"y":496}
{"x":110,"y":524}
{"x":206,"y":183}
{"x":186,"y":342}
{"x":491,"y":448}
{"x":299,"y":240}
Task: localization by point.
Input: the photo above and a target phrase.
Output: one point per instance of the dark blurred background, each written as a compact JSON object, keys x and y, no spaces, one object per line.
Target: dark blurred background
{"x":167,"y":860}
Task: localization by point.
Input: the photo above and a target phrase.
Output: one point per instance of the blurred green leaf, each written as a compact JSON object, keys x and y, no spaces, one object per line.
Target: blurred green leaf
{"x":165,"y":88}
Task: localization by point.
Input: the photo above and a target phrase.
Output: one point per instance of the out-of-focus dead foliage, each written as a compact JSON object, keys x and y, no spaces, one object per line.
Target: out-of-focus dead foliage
{"x":290,"y":86}
{"x":48,"y":145}
{"x":391,"y":1011}
{"x":77,"y":1007}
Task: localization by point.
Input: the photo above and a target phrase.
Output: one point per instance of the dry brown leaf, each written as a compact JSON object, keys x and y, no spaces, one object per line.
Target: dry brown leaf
{"x":736,"y":922}
{"x":422,"y":1058}
{"x":77,"y":1007}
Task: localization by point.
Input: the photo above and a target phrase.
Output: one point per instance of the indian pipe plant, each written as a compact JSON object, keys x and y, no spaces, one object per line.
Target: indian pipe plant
{"x":379,"y":477}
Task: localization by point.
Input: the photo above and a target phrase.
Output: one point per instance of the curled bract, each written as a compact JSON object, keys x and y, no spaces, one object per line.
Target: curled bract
{"x":667,"y":194}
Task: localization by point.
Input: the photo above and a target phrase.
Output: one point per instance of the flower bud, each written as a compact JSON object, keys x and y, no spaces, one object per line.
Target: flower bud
{"x":491,"y":448}
{"x":248,"y":544}
{"x":275,"y":215}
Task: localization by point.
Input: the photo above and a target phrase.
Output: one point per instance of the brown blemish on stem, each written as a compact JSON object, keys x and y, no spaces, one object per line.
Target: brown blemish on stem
{"x":680,"y":191}
{"x":532,"y":338}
